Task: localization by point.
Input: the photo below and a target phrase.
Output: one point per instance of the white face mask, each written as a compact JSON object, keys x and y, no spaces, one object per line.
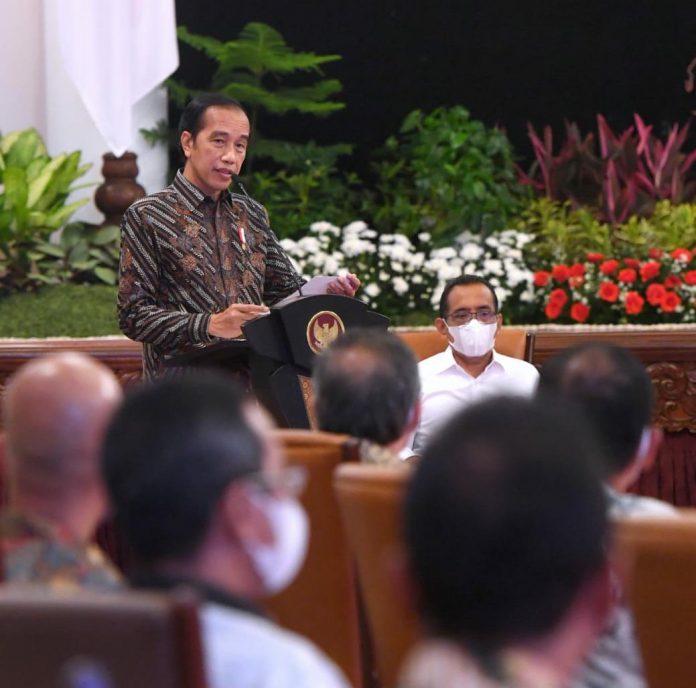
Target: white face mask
{"x":473,"y":339}
{"x":277,"y":564}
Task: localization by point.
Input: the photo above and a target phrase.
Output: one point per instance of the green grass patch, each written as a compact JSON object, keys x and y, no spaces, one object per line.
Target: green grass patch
{"x":65,"y":310}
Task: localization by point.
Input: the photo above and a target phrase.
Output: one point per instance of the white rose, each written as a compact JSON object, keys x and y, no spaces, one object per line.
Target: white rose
{"x":493,"y":266}
{"x":445,"y":253}
{"x":400,"y":285}
{"x":372,"y":290}
{"x":356,"y":227}
{"x":324,"y":227}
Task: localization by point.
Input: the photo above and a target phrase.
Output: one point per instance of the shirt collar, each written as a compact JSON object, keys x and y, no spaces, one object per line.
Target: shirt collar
{"x":145,"y":580}
{"x":192,"y":193}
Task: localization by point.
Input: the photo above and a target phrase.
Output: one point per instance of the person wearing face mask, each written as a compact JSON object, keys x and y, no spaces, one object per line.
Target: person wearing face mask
{"x":204,"y":500}
{"x":470,"y":368}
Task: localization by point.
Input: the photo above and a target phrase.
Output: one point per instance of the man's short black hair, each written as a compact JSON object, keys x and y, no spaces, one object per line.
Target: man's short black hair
{"x":169,"y":453}
{"x":505,"y":519}
{"x":611,"y":387}
{"x":192,"y":117}
{"x":463,"y":281}
{"x":366,"y":385}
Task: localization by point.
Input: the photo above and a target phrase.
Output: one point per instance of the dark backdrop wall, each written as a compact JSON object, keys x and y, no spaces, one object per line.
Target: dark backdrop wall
{"x":508,"y":62}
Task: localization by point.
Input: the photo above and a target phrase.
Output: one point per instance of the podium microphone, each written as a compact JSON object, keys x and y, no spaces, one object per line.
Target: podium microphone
{"x":298,"y":282}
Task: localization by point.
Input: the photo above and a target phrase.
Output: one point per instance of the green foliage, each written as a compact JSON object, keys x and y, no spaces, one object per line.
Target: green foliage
{"x":247,"y":65}
{"x":307,"y":187}
{"x":564,"y":235}
{"x":33,"y":191}
{"x":66,"y":310}
{"x":83,"y":253}
{"x":561,"y":233}
{"x":446,"y":173}
{"x":669,"y":227}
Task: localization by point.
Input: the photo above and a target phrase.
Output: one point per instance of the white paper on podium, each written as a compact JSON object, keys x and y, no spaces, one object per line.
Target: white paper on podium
{"x":317,"y":285}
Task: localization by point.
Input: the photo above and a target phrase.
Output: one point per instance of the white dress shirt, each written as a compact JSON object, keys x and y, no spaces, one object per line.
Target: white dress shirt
{"x":243,"y":650}
{"x":446,"y":387}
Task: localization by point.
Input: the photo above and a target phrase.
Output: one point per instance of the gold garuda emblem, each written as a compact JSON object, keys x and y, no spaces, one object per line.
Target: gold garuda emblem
{"x":322,"y":329}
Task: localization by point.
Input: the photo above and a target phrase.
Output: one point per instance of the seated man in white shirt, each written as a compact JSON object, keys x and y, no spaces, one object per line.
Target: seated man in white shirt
{"x":469,"y":369}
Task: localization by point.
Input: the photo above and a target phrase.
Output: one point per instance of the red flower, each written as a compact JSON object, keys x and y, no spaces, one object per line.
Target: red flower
{"x":649,"y":270}
{"x":654,"y":252}
{"x":655,"y":293}
{"x":577,"y":270}
{"x":634,"y":303}
{"x":608,"y":291}
{"x":558,"y":296}
{"x":560,"y":272}
{"x":670,"y":302}
{"x":541,"y":278}
{"x":552,"y":310}
{"x":579,"y":312}
{"x":682,"y":254}
{"x":575,"y":282}
{"x":608,"y":266}
{"x":672,"y":281}
{"x":690,"y":277}
{"x":595,"y":257}
{"x":555,"y":303}
{"x":631,"y":262}
{"x":627,"y":275}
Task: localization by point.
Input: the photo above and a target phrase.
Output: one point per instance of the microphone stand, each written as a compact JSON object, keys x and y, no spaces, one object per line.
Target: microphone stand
{"x":271,"y":233}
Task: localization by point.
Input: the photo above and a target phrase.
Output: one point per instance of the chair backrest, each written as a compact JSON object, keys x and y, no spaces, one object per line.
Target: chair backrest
{"x":321,"y":603}
{"x":105,"y":641}
{"x":370,"y":498}
{"x":660,"y":555}
{"x":511,"y":341}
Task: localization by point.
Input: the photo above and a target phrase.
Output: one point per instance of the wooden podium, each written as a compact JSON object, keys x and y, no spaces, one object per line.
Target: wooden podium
{"x":280,"y":346}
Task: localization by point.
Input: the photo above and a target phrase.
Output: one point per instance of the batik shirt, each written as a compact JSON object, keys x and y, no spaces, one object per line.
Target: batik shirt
{"x":33,"y":551}
{"x":184,"y":257}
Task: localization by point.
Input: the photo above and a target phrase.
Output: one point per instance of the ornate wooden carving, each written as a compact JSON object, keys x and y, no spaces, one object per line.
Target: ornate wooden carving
{"x":668,"y":353}
{"x":675,"y":389}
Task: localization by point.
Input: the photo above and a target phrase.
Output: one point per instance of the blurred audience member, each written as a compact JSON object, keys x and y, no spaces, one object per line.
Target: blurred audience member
{"x":56,"y":409}
{"x":470,"y":369}
{"x":612,"y":390}
{"x":506,"y":529}
{"x":366,"y":385}
{"x":200,"y":489}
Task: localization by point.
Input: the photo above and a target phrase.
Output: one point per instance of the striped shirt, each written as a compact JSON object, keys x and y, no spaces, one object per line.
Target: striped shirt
{"x":184,"y":257}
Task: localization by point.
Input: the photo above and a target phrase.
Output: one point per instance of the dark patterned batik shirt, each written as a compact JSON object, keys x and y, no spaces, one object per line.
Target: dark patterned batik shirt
{"x":184,"y":257}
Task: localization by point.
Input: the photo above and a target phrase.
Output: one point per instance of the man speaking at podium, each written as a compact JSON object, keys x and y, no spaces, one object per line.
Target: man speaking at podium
{"x":198,"y":261}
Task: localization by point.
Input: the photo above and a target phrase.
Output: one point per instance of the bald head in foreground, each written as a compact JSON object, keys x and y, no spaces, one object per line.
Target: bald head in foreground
{"x":56,"y":409}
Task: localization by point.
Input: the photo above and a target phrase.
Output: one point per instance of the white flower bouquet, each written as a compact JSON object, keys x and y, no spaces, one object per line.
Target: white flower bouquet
{"x":400,"y":277}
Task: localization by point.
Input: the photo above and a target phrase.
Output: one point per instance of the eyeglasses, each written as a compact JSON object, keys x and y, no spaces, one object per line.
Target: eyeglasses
{"x":463,"y":316}
{"x":289,"y":481}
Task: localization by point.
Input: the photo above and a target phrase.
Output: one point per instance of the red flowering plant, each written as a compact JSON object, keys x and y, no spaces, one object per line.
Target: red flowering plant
{"x":659,"y":287}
